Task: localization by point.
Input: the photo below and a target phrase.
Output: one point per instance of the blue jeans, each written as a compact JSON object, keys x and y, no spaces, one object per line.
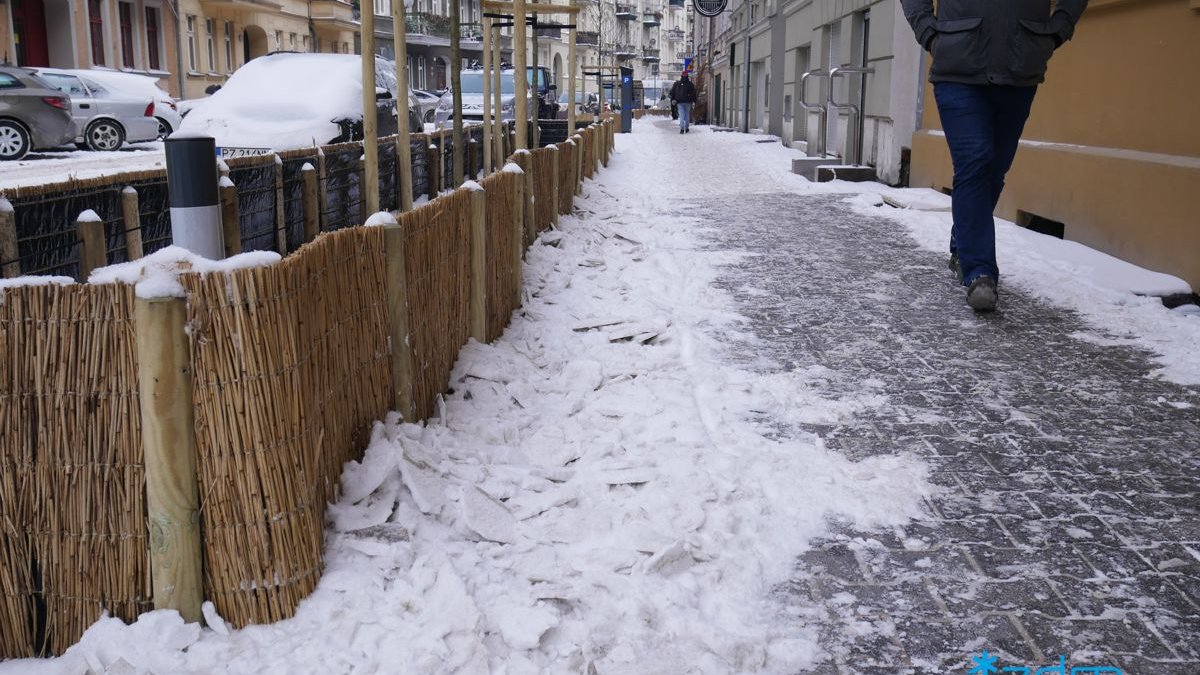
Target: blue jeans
{"x":983,"y":125}
{"x":685,"y":115}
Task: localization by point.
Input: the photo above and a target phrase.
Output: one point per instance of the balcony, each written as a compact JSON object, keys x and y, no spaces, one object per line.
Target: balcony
{"x":675,"y":4}
{"x":587,"y":37}
{"x":625,"y":52}
{"x":627,"y":12}
{"x":675,"y":35}
{"x":256,"y":5}
{"x":323,"y":13}
{"x":652,"y":19}
{"x":552,"y":34}
{"x":430,"y":25}
{"x":650,"y":55}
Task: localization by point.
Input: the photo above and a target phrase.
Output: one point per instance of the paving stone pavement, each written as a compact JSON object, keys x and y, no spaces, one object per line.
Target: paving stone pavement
{"x":1067,"y":520}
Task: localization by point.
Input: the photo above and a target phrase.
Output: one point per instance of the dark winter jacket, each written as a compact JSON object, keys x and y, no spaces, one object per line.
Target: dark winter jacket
{"x":992,"y":41}
{"x":683,"y":91}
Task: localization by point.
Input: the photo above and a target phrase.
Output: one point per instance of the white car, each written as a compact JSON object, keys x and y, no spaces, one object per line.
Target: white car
{"x":166,"y":108}
{"x":104,"y":119}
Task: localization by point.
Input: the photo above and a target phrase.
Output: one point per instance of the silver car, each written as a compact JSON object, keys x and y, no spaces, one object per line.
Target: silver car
{"x":166,"y":108}
{"x":104,"y":119}
{"x":472,"y":99}
{"x":32,"y":114}
{"x":427,"y":103}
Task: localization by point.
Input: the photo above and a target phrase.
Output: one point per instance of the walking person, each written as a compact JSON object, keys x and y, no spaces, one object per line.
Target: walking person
{"x":988,"y":59}
{"x":683,"y":93}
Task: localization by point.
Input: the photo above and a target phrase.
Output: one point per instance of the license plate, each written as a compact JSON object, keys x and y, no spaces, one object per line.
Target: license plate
{"x":230,"y":153}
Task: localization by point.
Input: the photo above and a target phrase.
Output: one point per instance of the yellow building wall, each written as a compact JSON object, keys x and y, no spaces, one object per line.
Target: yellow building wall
{"x":1122,"y":101}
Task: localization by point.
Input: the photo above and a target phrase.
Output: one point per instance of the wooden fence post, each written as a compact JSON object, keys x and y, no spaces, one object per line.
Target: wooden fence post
{"x":433,"y":170}
{"x":398,"y":328}
{"x":93,"y":245}
{"x":556,"y":154}
{"x":168,"y":436}
{"x":578,"y":138}
{"x":280,"y":208}
{"x":312,"y":205}
{"x":322,"y":188}
{"x":363,"y":204}
{"x":530,"y":199}
{"x":479,"y":264}
{"x":132,"y":221}
{"x":472,"y":160}
{"x":518,"y":235}
{"x":231,"y":225}
{"x":10,"y":261}
{"x":597,"y":147}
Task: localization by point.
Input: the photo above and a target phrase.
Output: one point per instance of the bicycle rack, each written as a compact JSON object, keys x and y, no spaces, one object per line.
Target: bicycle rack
{"x":855,"y":112}
{"x":821,"y":109}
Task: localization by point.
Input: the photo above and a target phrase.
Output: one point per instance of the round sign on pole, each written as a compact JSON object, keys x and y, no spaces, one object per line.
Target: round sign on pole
{"x":709,"y":7}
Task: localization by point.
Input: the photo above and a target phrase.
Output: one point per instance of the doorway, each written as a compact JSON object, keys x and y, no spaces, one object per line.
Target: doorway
{"x":254,"y":43}
{"x":29,"y":33}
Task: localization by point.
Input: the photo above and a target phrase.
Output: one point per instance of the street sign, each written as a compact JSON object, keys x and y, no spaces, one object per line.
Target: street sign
{"x":709,"y":7}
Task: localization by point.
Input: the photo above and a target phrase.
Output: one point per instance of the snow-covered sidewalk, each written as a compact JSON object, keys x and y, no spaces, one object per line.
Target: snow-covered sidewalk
{"x":620,"y":483}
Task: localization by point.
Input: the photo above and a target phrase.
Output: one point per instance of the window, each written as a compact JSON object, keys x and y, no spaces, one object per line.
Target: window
{"x":210,"y":26}
{"x":125,"y":13}
{"x":152,"y":38}
{"x":278,"y":39}
{"x":383,"y":8}
{"x":67,"y":84}
{"x":306,"y":43}
{"x":292,"y":37}
{"x":229,"y":46}
{"x":191,"y":37}
{"x":9,"y":82}
{"x":96,"y":29}
{"x":345,"y":48}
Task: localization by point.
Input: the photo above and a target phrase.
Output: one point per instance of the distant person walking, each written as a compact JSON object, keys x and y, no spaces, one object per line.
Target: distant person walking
{"x":988,"y":59}
{"x":683,"y":93}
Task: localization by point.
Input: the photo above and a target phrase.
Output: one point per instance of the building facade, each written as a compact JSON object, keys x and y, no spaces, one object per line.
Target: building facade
{"x":764,"y":48}
{"x":1110,"y":156}
{"x":134,"y":35}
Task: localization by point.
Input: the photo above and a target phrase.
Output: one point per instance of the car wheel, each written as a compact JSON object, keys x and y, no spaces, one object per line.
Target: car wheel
{"x":164,"y":129}
{"x":429,"y":117}
{"x":14,"y":141}
{"x":104,"y":135}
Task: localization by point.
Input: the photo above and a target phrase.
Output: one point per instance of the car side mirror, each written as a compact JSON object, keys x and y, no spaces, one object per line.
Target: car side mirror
{"x":553,"y":87}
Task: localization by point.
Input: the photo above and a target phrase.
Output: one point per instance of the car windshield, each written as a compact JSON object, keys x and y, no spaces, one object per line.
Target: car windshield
{"x":472,"y":83}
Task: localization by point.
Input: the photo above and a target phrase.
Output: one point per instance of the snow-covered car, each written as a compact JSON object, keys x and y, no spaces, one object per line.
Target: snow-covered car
{"x":166,"y":108}
{"x":291,"y":100}
{"x":104,"y":119}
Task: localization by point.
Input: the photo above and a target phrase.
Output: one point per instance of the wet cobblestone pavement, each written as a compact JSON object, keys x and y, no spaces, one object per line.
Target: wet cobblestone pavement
{"x":1067,"y":521}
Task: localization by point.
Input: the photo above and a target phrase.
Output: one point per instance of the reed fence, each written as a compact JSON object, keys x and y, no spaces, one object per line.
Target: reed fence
{"x":40,"y":236}
{"x":282,"y":372}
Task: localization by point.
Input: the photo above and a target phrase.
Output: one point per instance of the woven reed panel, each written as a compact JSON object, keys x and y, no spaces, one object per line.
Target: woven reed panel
{"x":566,"y":177}
{"x":291,"y":370}
{"x":502,"y":292}
{"x":72,"y":483}
{"x":544,"y":166}
{"x":437,"y":255}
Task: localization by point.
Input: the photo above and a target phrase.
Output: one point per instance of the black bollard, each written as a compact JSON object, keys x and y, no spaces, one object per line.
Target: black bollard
{"x":195,"y":203}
